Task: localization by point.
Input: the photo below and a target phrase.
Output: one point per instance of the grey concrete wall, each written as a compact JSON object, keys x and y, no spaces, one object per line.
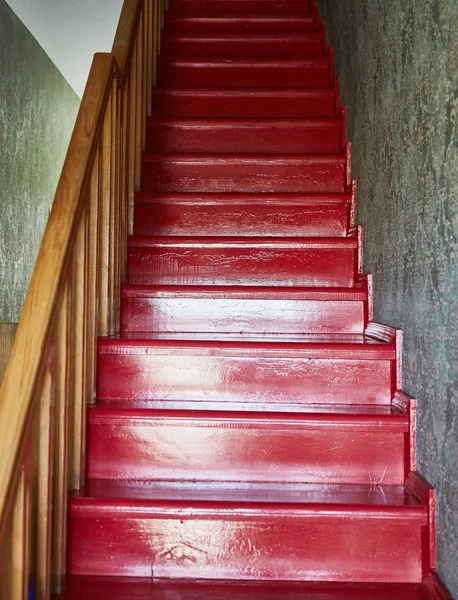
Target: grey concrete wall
{"x":398,"y":68}
{"x":37,"y":113}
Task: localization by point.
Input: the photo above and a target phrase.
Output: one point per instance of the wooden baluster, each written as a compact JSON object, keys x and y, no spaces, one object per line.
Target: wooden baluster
{"x":150,"y":63}
{"x":132,"y":107}
{"x":162,"y":14}
{"x":44,"y":485}
{"x":61,"y":449}
{"x":15,"y":542}
{"x":104,"y":224}
{"x":139,"y":108}
{"x":144,"y":82}
{"x":112,"y":273}
{"x":92,"y":279}
{"x":78,"y":333}
{"x":124,"y":92}
{"x":21,"y":539}
{"x":158,"y":26}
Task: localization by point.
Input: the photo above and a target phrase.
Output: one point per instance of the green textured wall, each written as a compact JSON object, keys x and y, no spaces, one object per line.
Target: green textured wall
{"x":37,"y":113}
{"x":398,"y":67}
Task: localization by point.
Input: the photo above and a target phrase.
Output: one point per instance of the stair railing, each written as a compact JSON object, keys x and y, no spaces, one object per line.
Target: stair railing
{"x":73,"y":298}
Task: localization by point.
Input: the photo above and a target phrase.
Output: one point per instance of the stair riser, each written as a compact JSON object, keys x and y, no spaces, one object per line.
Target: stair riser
{"x":244,"y":75}
{"x":238,"y":175}
{"x":230,"y":7}
{"x":256,"y":544}
{"x":245,"y":138}
{"x":248,"y":103}
{"x":210,"y":25}
{"x":254,"y":377}
{"x":236,"y":217}
{"x":243,"y":315}
{"x":239,"y":265}
{"x":245,"y":47}
{"x":275,"y":452}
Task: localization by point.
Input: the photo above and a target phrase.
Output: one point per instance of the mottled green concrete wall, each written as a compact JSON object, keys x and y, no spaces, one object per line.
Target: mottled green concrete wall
{"x":398,"y":67}
{"x":37,"y":113}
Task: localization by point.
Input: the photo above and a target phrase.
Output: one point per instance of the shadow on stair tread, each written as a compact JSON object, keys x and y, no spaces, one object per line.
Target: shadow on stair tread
{"x":104,"y":588}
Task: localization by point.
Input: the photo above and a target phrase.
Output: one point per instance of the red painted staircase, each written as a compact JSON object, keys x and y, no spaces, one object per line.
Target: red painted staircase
{"x":250,"y":437}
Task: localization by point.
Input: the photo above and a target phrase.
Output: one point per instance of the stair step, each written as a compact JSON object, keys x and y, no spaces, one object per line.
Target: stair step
{"x":205,"y":532}
{"x":242,"y":261}
{"x":242,"y":309}
{"x":316,"y":447}
{"x":246,"y":72}
{"x":129,"y":588}
{"x":242,"y":23}
{"x":244,"y":45}
{"x":229,"y":7}
{"x":244,"y":173}
{"x":280,"y":215}
{"x":291,"y":370}
{"x":248,"y":102}
{"x":246,"y":136}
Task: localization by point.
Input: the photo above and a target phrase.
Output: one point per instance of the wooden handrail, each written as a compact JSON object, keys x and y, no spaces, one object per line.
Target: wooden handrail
{"x":124,"y":40}
{"x":73,"y":297}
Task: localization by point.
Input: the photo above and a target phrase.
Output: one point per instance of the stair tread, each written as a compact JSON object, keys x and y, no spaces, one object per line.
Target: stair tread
{"x":286,"y":242}
{"x":292,"y":16}
{"x":289,"y":341}
{"x":247,"y":91}
{"x":385,"y":412}
{"x":125,"y":588}
{"x":252,"y":292}
{"x":227,"y":61}
{"x":273,"y":159}
{"x":251,"y":198}
{"x":190,"y":495}
{"x":367,"y":418}
{"x":226,"y":122}
{"x":264,"y":37}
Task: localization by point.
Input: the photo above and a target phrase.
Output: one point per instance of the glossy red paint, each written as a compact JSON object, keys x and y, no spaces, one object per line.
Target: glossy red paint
{"x":244,"y":173}
{"x":245,"y":103}
{"x":244,"y":45}
{"x":242,"y":23}
{"x":243,"y":215}
{"x":242,"y":310}
{"x":364,"y":445}
{"x":250,"y":423}
{"x":233,"y":534}
{"x":125,"y":588}
{"x":330,"y":369}
{"x":242,"y":261}
{"x":246,"y":73}
{"x":245,"y":136}
{"x":230,"y":7}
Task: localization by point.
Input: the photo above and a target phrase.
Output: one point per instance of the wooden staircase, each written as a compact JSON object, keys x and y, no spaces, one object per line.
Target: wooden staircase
{"x":249,"y":437}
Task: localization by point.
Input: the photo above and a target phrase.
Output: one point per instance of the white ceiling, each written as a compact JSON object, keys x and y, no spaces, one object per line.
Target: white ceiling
{"x":70,"y":32}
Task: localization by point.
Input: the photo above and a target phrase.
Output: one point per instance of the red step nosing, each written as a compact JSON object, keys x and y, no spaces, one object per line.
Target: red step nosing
{"x":177,"y":36}
{"x":247,"y":159}
{"x":243,"y":92}
{"x":297,"y":350}
{"x":280,"y":16}
{"x":238,"y":199}
{"x":219,"y":510}
{"x":249,"y":420}
{"x":245,"y":242}
{"x":227,"y":62}
{"x":229,"y":123}
{"x":242,"y":292}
